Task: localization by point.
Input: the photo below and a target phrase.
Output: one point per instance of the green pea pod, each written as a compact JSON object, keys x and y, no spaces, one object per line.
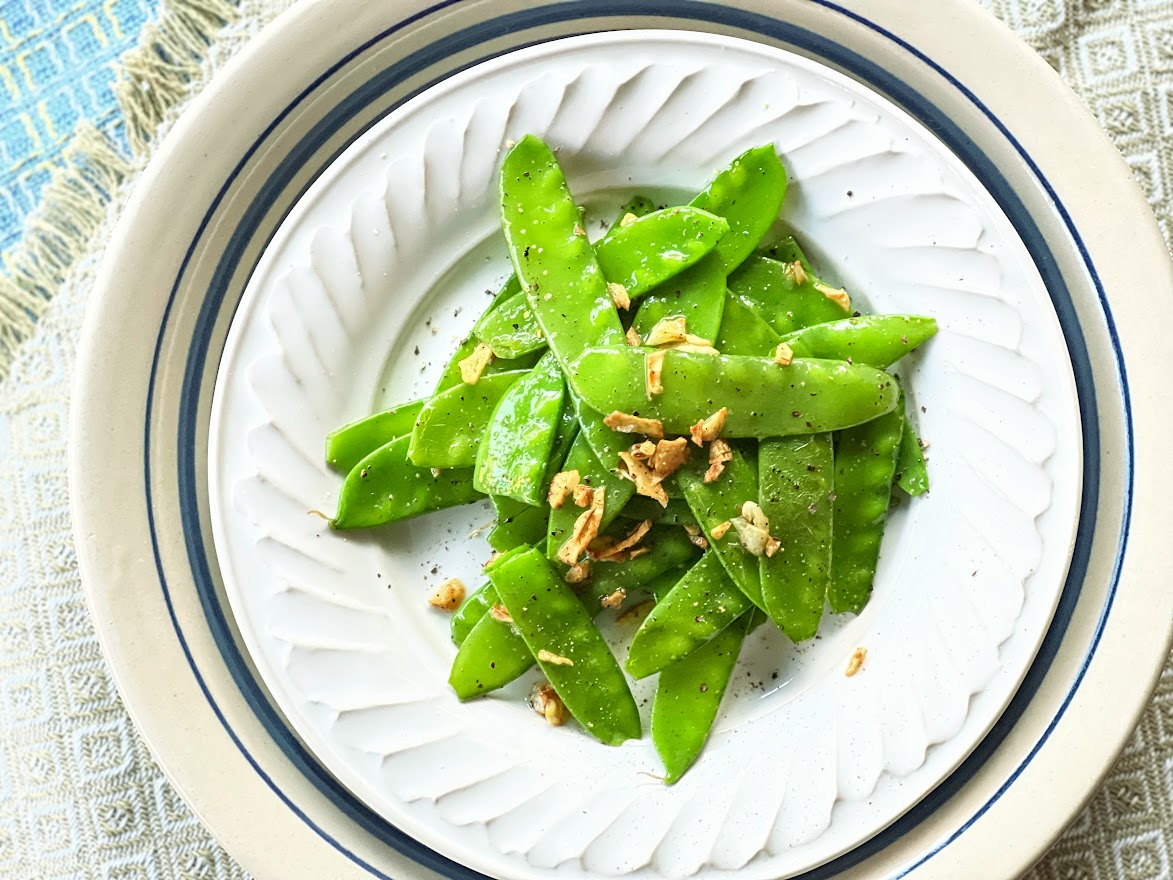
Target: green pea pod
{"x":743,"y":331}
{"x":763,"y":398}
{"x":912,"y":474}
{"x":450,"y":425}
{"x":563,"y":439}
{"x":471,"y":611}
{"x":688,"y":696}
{"x":637,"y":205}
{"x":501,"y":559}
{"x":559,"y":273}
{"x":386,"y":487}
{"x":604,"y":442}
{"x":702,"y":604}
{"x":668,"y":550}
{"x":648,"y":252}
{"x":511,"y":330}
{"x":675,"y":514}
{"x":559,"y":631}
{"x":875,"y":340}
{"x":865,"y":464}
{"x":796,"y":477}
{"x":780,"y":299}
{"x":515,"y":449}
{"x":591,"y":473}
{"x":490,"y":655}
{"x":718,"y":502}
{"x":552,"y":257}
{"x":788,"y":250}
{"x":518,"y":524}
{"x":501,"y":364}
{"x":698,"y":294}
{"x":662,"y":585}
{"x":351,"y":443}
{"x":748,"y":194}
{"x":451,"y":377}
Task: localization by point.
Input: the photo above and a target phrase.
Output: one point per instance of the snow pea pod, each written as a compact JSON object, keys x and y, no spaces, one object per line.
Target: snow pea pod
{"x":518,"y":524}
{"x":551,"y":255}
{"x":764,"y":399}
{"x":748,"y":194}
{"x":865,"y":464}
{"x":511,"y":330}
{"x":348,"y":445}
{"x":559,"y":273}
{"x":676,"y":513}
{"x":649,"y":251}
{"x":471,"y":611}
{"x":701,"y":605}
{"x":912,"y":473}
{"x":491,"y":655}
{"x":572,"y":653}
{"x":876,"y":340}
{"x":669,"y":549}
{"x":788,"y":250}
{"x":618,"y":491}
{"x":451,"y":377}
{"x":718,"y":502}
{"x":450,"y":425}
{"x":645,"y":254}
{"x":688,"y":696}
{"x":504,"y":363}
{"x":386,"y":487}
{"x":515,"y":449}
{"x":565,"y":436}
{"x":784,"y":302}
{"x":661,"y":585}
{"x":796,"y":480}
{"x":605,"y":443}
{"x":697,"y":293}
{"x":743,"y":331}
{"x":637,"y":205}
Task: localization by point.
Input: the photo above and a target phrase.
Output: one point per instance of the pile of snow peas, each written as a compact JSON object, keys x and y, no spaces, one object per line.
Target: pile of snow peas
{"x":681,"y":424}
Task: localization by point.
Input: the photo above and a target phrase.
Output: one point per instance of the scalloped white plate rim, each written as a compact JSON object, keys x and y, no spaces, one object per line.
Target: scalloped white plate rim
{"x":246,"y":312}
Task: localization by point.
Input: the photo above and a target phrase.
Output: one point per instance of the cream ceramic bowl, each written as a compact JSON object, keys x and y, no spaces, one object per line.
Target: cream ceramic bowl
{"x":194,"y":669}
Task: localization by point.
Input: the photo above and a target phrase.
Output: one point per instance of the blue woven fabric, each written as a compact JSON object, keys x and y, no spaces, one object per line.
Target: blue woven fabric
{"x":57,"y":60}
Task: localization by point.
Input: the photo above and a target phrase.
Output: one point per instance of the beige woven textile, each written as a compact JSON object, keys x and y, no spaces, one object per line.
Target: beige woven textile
{"x":80,"y":796}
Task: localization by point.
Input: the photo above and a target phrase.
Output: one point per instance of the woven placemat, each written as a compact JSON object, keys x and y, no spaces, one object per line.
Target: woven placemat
{"x":80,"y":796}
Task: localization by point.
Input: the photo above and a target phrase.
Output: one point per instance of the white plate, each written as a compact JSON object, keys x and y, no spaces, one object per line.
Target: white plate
{"x":282,"y":113}
{"x":362,"y":297}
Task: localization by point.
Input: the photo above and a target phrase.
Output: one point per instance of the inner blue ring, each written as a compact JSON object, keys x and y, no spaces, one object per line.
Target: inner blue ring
{"x":862,"y":69}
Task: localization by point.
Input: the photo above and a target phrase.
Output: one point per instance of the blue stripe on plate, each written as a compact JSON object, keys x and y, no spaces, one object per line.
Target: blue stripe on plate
{"x":586,"y":10}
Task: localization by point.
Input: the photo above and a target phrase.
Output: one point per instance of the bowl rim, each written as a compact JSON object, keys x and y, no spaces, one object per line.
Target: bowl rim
{"x":1124,"y":637}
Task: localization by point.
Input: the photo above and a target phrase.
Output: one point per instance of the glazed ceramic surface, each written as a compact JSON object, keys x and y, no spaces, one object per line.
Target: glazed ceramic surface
{"x":1042,"y":404}
{"x":363,"y":295}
